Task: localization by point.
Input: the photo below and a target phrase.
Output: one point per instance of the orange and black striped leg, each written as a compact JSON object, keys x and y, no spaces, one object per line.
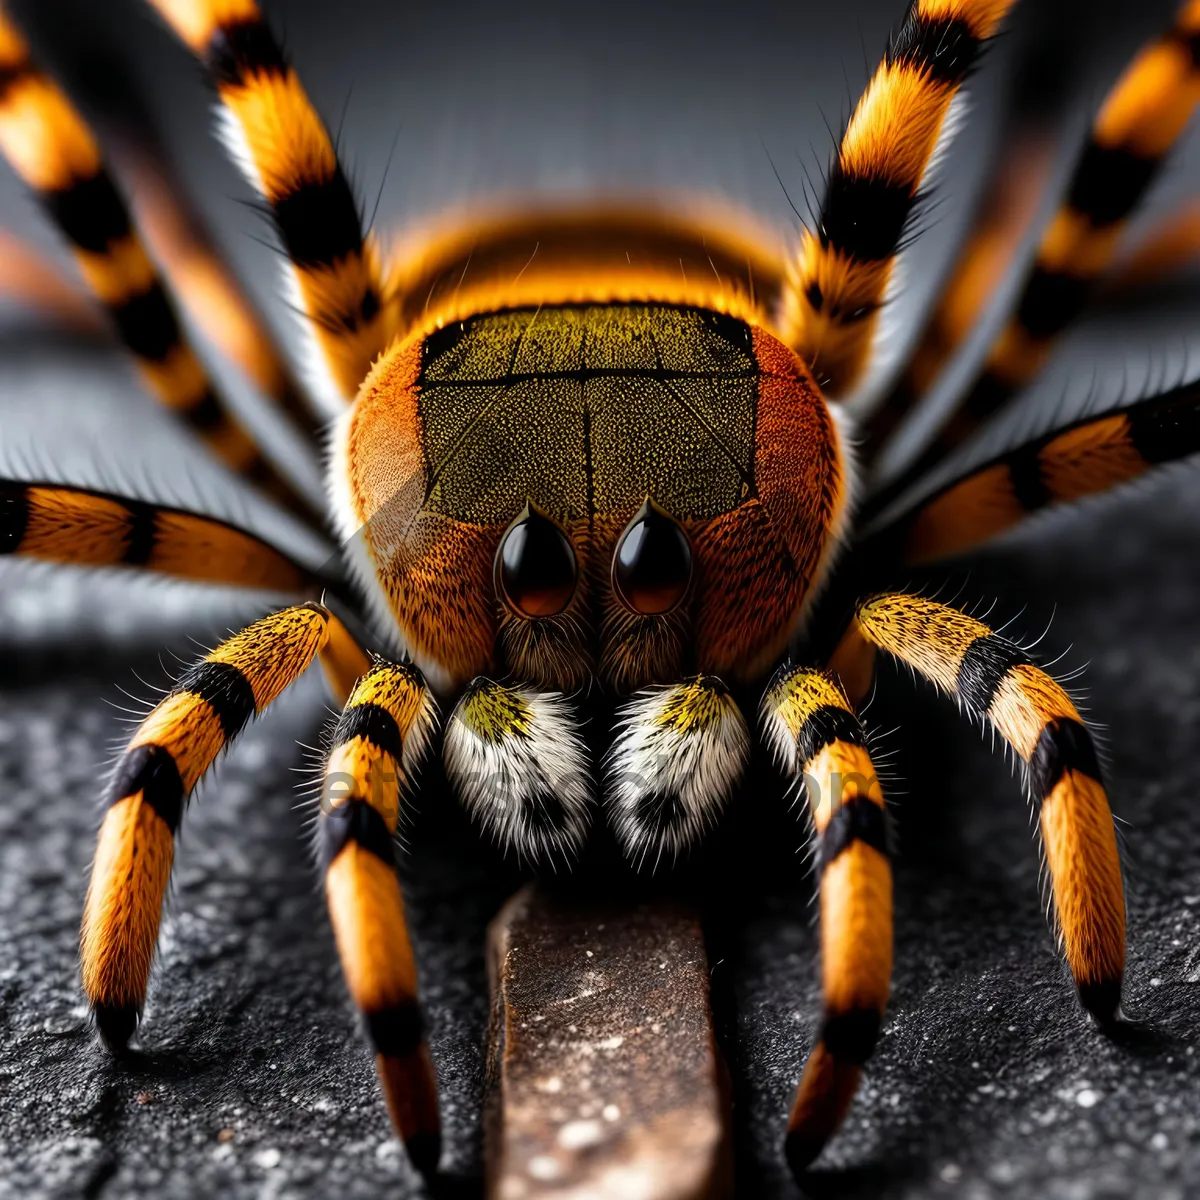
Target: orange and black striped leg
{"x":818,"y":741}
{"x":842,"y":272}
{"x":85,"y":527}
{"x":281,"y":144}
{"x":1134,"y":132}
{"x":995,"y":680}
{"x":1009,"y":205}
{"x":207,"y":291}
{"x":53,"y":151}
{"x":378,"y":743}
{"x":343,"y":662}
{"x":1167,"y":249}
{"x":37,"y":284}
{"x":206,"y":287}
{"x":166,"y":757}
{"x":1083,"y":459}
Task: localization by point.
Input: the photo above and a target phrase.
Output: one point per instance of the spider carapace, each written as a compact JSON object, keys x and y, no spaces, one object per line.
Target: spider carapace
{"x":641,"y":455}
{"x":596,"y":460}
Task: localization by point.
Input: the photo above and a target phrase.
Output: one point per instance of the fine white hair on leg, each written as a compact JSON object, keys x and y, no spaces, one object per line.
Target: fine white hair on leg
{"x":896,"y":325}
{"x":517,"y":761}
{"x":679,"y":753}
{"x":314,"y":367}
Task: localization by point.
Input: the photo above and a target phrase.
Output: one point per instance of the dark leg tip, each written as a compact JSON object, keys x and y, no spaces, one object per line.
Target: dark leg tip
{"x":1102,"y":1000}
{"x":851,"y":1036}
{"x":800,"y":1152}
{"x":424,"y":1152}
{"x":115,"y":1023}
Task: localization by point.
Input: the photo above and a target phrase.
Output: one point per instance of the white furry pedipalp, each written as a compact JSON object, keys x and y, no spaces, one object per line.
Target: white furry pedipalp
{"x":525,"y":778}
{"x":678,"y":754}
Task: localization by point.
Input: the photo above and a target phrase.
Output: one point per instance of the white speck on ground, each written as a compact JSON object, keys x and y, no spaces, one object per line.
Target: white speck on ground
{"x":576,"y":1135}
{"x":544,"y":1167}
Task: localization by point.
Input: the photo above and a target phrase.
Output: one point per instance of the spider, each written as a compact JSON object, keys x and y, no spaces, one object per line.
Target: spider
{"x":594,"y":465}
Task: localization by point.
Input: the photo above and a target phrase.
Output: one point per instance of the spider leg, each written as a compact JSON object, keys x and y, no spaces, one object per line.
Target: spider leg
{"x":1085,"y":458}
{"x":179,"y":240}
{"x":36,"y":282}
{"x":85,"y":527}
{"x":168,"y":754}
{"x":207,"y":290}
{"x":377,"y":745}
{"x":838,"y":282}
{"x":53,"y":151}
{"x":678,"y":755}
{"x":818,"y":740}
{"x":994,"y":680}
{"x":1168,"y":248}
{"x":286,"y":153}
{"x":517,"y":761}
{"x":1008,"y":205}
{"x":1134,"y":132}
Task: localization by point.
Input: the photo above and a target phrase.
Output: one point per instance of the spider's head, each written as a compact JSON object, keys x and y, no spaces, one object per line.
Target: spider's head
{"x":596,"y":470}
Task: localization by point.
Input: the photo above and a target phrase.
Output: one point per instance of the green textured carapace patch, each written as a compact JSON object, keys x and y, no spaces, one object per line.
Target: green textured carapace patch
{"x":587,"y":410}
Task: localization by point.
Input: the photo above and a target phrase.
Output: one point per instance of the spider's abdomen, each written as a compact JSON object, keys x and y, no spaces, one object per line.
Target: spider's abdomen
{"x":579,"y":416}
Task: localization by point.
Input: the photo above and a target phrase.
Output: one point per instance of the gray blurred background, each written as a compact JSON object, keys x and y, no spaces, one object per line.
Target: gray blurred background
{"x":988,"y":1081}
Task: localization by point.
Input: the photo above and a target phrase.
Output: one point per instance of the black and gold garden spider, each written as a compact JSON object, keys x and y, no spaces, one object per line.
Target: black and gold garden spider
{"x":591,"y":463}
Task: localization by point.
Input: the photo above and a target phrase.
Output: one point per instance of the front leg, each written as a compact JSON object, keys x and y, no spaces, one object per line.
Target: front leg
{"x":377,"y":744}
{"x":167,"y":756}
{"x":817,"y":739}
{"x":996,"y":681}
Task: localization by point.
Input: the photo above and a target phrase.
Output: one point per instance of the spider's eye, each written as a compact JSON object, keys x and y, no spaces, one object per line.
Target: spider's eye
{"x":652,"y":565}
{"x":536,"y":570}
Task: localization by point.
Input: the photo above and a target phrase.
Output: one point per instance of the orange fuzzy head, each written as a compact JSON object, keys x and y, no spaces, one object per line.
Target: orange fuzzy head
{"x":596,"y":469}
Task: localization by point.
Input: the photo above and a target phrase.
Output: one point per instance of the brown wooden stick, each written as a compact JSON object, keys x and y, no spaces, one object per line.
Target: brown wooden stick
{"x":604,"y":1078}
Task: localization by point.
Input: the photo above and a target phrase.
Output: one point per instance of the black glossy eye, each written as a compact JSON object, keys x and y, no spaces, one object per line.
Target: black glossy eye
{"x":652,"y":566}
{"x":536,"y":569}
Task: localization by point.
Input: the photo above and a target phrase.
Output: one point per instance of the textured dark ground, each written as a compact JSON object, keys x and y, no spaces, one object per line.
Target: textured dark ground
{"x":251,"y":1079}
